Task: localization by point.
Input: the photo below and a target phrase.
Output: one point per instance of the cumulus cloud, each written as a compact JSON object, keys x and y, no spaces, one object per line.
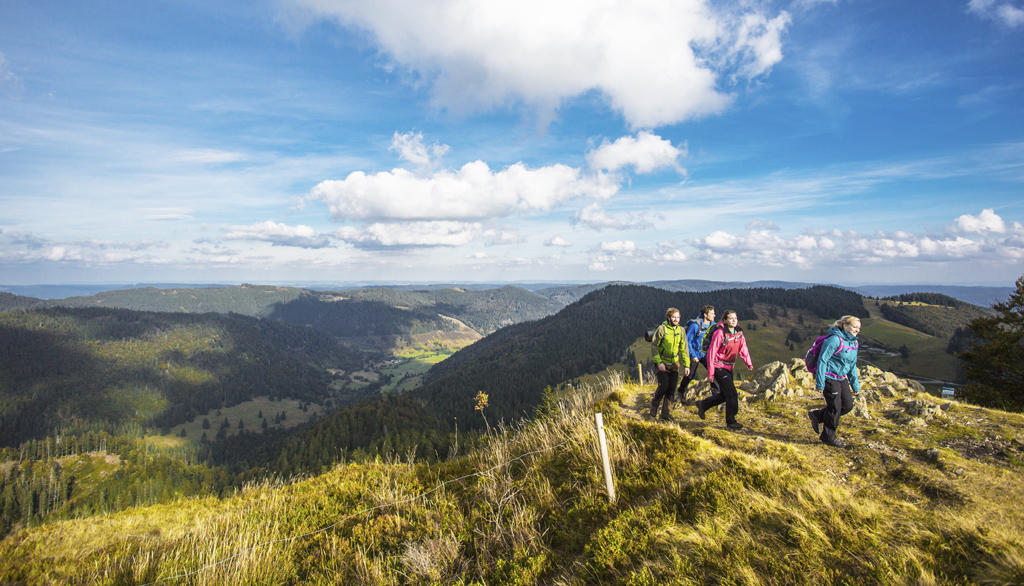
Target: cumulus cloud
{"x":668,"y":252}
{"x":410,"y":147}
{"x":277,"y":234}
{"x":434,"y":233}
{"x":981,"y":238}
{"x":625,"y":247}
{"x":473,"y":192}
{"x":985,"y":222}
{"x":557,"y":241}
{"x":1005,"y":13}
{"x":645,"y":153}
{"x":655,"y":62}
{"x":596,"y":218}
{"x":27,"y":239}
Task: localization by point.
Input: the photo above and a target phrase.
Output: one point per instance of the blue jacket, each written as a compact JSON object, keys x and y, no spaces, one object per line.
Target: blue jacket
{"x":695,"y":332}
{"x":838,"y":359}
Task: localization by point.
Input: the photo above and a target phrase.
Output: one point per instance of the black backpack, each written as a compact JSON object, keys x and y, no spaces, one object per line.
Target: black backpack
{"x":706,"y":342}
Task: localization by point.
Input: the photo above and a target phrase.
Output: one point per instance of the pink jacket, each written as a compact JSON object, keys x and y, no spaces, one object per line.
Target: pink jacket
{"x":725,"y":348}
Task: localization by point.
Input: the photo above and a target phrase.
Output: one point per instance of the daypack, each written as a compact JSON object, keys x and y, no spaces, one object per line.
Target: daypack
{"x":813,"y":354}
{"x":706,"y":342}
{"x":649,"y":335}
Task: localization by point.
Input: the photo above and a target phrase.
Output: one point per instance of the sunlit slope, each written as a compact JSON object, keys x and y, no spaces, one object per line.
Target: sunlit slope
{"x":696,"y":504}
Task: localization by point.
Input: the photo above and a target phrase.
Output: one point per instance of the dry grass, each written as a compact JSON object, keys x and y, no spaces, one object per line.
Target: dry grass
{"x":696,"y":504}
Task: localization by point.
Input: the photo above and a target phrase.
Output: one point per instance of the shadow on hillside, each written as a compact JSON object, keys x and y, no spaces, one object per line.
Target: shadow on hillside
{"x":39,"y":370}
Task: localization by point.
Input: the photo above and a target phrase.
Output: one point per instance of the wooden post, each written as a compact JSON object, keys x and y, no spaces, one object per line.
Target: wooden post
{"x":639,"y":373}
{"x":604,"y":458}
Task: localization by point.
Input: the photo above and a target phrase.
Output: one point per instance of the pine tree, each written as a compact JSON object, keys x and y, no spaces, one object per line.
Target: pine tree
{"x":206,"y":423}
{"x":994,"y":364}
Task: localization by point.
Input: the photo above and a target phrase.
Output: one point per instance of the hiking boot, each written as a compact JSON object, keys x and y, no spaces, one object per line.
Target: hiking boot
{"x":835,"y":443}
{"x":815,"y":421}
{"x":667,"y":417}
{"x":700,"y":409}
{"x":734,"y":425}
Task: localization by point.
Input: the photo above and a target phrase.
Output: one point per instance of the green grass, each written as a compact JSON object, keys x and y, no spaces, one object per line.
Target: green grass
{"x":696,"y":504}
{"x":248,"y":411}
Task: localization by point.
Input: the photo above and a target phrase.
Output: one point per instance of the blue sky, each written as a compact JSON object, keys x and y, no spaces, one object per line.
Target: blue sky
{"x":325,"y":140}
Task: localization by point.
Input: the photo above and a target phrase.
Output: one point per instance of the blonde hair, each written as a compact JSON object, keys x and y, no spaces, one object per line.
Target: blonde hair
{"x":846,"y":320}
{"x":669,"y":312}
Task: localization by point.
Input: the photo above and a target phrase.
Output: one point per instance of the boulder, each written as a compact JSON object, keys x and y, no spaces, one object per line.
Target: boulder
{"x":771,"y":373}
{"x":921,"y":408}
{"x":867,"y":371}
{"x":797,"y":364}
{"x":860,"y":407}
{"x":915,"y":386}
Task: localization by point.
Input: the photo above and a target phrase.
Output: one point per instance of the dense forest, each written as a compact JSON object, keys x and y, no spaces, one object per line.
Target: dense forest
{"x":61,"y":368}
{"x":81,"y":386}
{"x":515,"y":365}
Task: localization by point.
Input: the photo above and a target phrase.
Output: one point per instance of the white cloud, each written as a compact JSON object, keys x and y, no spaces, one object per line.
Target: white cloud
{"x":599,"y":266}
{"x":832,"y":248}
{"x":645,"y":153}
{"x":277,"y":234}
{"x":1004,"y":12}
{"x":985,"y":222}
{"x":436,"y":233}
{"x":471,"y":193}
{"x":656,"y":62}
{"x":626,"y":247}
{"x":557,"y":241}
{"x":410,"y":147}
{"x":596,"y":218}
{"x":477,"y":255}
{"x":759,"y":40}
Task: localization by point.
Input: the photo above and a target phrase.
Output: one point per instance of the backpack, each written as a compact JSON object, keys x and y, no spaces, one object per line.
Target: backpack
{"x":649,"y":335}
{"x":813,"y":354}
{"x":706,"y":342}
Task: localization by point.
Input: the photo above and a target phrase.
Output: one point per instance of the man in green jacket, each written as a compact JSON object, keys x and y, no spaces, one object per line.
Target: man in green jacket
{"x":669,"y":345}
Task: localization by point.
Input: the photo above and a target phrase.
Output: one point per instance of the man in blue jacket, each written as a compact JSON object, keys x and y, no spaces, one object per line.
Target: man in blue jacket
{"x":696,"y":330}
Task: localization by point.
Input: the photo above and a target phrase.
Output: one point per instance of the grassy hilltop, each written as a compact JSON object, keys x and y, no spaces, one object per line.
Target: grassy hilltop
{"x":925,"y":495}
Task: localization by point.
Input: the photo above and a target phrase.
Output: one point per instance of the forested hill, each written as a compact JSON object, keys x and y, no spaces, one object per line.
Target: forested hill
{"x":514,"y":365}
{"x":377,"y":312}
{"x":65,"y":368}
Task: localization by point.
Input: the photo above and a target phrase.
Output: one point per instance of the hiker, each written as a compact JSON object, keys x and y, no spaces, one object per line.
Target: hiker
{"x":836,"y":376}
{"x":669,"y":342}
{"x":696,"y":330}
{"x":726,"y":345}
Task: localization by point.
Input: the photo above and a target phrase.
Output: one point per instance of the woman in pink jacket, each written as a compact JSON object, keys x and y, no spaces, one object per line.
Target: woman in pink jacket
{"x":727,"y":344}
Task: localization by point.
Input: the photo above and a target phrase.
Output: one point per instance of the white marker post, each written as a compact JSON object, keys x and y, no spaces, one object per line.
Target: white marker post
{"x":604,"y":458}
{"x":639,"y":373}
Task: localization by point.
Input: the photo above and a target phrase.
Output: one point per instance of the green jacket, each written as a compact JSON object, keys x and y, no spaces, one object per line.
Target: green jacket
{"x":670,"y":345}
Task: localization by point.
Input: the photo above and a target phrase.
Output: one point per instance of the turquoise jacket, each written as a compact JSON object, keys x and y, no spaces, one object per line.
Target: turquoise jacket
{"x":670,"y":345}
{"x":838,"y":359}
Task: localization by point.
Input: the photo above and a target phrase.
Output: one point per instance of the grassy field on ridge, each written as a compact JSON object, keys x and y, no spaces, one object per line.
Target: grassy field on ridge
{"x":697,"y":504}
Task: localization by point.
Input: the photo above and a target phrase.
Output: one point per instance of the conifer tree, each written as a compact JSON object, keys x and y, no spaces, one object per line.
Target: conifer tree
{"x":994,"y":365}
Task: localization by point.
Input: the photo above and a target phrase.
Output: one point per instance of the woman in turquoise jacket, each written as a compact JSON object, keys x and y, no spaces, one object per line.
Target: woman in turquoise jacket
{"x":836,"y":378}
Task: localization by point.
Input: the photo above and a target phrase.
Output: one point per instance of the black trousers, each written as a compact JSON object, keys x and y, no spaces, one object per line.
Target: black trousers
{"x":667,"y":381}
{"x":838,"y":402}
{"x":693,"y":374}
{"x":724,"y":393}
